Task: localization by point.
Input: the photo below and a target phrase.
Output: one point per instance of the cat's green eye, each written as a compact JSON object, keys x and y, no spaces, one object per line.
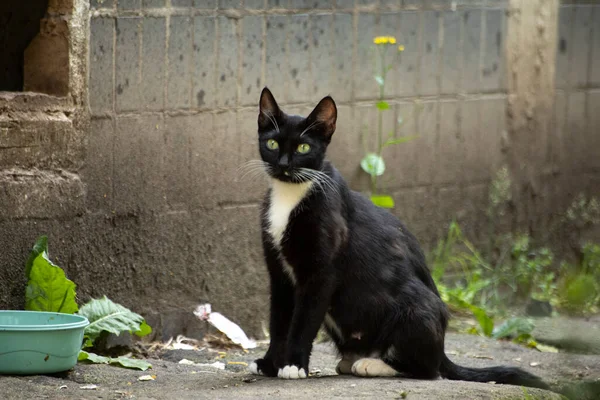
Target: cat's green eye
{"x":303,"y":148}
{"x":272,"y":144}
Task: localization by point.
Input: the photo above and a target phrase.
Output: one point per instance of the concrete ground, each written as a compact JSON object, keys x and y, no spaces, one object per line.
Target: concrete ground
{"x":178,"y":381}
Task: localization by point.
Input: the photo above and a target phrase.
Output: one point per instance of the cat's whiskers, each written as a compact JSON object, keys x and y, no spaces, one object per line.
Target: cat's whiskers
{"x":253,"y":169}
{"x":322,"y":178}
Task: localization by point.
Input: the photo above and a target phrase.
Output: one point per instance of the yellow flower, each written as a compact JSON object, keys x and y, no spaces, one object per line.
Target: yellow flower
{"x":401,"y":47}
{"x":384,"y":40}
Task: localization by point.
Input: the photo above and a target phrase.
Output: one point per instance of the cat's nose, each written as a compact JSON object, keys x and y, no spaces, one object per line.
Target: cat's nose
{"x":284,"y":161}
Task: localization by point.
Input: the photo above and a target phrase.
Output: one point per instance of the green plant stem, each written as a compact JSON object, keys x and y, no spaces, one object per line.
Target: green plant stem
{"x":380,"y":118}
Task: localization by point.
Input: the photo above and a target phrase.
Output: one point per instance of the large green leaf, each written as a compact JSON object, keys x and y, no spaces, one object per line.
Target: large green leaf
{"x":486,"y":323}
{"x":123,"y":361}
{"x":105,"y":315}
{"x":48,"y":289}
{"x":513,"y":327}
{"x":383,"y":201}
{"x":373,"y":164}
{"x":40,"y":246}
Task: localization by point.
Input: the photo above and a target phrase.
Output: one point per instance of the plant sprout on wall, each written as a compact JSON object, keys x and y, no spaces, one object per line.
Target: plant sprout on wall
{"x":373,"y":162}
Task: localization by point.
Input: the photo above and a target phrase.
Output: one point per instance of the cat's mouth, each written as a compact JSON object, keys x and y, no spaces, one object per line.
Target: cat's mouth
{"x":288,"y":175}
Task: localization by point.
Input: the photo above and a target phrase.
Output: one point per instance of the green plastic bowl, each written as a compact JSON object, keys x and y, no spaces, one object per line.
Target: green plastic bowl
{"x":35,"y":342}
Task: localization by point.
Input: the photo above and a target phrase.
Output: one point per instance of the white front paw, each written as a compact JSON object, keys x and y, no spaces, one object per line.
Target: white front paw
{"x":291,"y":372}
{"x":253,"y":368}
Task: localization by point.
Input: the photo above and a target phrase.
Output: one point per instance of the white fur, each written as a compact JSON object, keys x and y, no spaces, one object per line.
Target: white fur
{"x":284,"y":198}
{"x":253,"y":368}
{"x":372,"y":367}
{"x":291,"y":372}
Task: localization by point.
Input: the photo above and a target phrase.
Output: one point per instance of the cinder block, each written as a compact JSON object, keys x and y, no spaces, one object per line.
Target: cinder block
{"x":38,"y":140}
{"x":451,"y":206}
{"x":451,"y":53}
{"x":182,"y":3}
{"x":471,"y":80}
{"x":430,"y":53}
{"x":565,"y":45}
{"x":276,"y":62}
{"x":581,"y":46}
{"x":129,"y":4}
{"x":97,"y":4}
{"x":593,"y":130}
{"x":389,"y":26}
{"x":492,"y":74}
{"x":252,"y":45}
{"x":101,"y":65}
{"x":127,"y":64}
{"x":470,"y":131}
{"x":343,"y":49}
{"x":299,"y":74}
{"x":346,"y":148}
{"x":248,"y":179}
{"x":365,"y":86}
{"x":224,"y":4}
{"x":255,"y":4}
{"x":97,"y":173}
{"x":493,"y":124}
{"x":451,"y":147}
{"x":576,"y":142}
{"x":595,"y":48}
{"x":428,"y":142}
{"x":180,"y":50}
{"x":204,"y":59}
{"x":409,"y":58}
{"x":403,"y":158}
{"x":139,"y":183}
{"x":153,"y":3}
{"x":344,"y":4}
{"x":209,"y":4}
{"x":227,"y":63}
{"x":218,"y":159}
{"x":559,"y":151}
{"x":179,"y":133}
{"x":311,"y":4}
{"x":153,"y":63}
{"x":322,"y":56}
{"x":278,"y":3}
{"x":26,"y":194}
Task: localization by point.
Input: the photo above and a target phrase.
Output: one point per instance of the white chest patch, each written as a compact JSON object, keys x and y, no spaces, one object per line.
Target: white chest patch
{"x":284,"y":198}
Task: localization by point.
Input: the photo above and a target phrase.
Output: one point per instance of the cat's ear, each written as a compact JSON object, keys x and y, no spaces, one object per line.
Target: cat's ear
{"x":324,"y":117}
{"x":269,"y":110}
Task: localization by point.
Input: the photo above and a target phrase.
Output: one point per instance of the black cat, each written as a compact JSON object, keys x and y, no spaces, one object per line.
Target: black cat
{"x":335,"y":258}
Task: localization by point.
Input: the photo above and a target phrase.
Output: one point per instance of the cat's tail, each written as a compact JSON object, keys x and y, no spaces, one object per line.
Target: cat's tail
{"x":501,"y":375}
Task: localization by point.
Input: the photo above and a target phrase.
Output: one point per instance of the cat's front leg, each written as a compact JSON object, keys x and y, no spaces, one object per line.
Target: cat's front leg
{"x":311,"y":303}
{"x":282,"y":307}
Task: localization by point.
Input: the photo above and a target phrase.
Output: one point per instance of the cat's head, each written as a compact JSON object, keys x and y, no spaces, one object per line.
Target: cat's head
{"x":292,"y":145}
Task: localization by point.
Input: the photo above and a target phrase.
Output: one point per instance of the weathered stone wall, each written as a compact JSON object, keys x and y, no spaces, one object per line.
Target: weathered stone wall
{"x":145,"y":204}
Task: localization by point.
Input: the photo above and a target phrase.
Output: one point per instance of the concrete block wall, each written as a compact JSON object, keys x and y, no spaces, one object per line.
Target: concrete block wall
{"x":173,"y":93}
{"x":577,"y":121}
{"x":146,"y":203}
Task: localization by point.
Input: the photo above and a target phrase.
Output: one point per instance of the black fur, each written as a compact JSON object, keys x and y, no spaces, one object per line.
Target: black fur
{"x":351,"y":260}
